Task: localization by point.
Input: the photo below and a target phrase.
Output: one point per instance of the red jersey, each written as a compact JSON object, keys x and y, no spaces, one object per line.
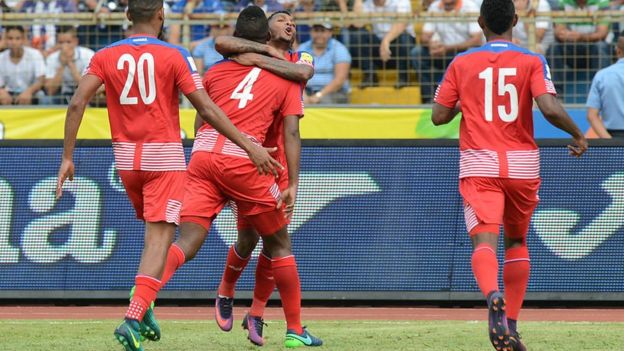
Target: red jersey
{"x":142,"y":76}
{"x":496,"y":85}
{"x":252,"y":98}
{"x":275,"y":136}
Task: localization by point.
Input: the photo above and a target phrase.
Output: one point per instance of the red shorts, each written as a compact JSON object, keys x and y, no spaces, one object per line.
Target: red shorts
{"x":156,"y":196}
{"x":496,"y":201}
{"x":213,"y":179}
{"x":242,"y":222}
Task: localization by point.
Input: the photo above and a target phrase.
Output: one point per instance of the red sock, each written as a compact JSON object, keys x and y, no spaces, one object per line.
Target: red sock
{"x":265,"y":284}
{"x":516,"y":278}
{"x":175,"y":259}
{"x":144,"y":293}
{"x":287,"y":281}
{"x":485,"y":268}
{"x":234,"y":266}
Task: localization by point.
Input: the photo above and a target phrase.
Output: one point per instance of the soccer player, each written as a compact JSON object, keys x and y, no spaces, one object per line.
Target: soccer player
{"x":494,"y":87}
{"x":297,"y":66}
{"x":142,"y":76}
{"x":218,"y":171}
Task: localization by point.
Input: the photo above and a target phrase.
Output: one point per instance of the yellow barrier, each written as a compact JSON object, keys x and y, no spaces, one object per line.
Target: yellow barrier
{"x":319,"y":123}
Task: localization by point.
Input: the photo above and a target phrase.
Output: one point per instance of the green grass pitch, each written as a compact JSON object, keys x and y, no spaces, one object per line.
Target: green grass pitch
{"x":97,"y":335}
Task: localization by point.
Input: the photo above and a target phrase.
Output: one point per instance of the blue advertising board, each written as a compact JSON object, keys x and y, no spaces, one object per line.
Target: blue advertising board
{"x":378,"y":218}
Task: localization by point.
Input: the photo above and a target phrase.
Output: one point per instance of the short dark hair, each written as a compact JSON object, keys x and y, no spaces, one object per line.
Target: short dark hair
{"x":17,"y":28}
{"x":498,"y":15}
{"x":286,"y":12}
{"x":67,"y":30}
{"x":252,"y":24}
{"x":142,"y":11}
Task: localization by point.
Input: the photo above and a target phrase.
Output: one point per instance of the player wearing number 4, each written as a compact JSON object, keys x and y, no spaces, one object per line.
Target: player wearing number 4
{"x":499,"y":160}
{"x":142,"y":76}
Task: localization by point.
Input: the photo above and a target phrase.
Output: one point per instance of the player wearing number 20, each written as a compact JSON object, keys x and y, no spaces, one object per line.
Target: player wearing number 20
{"x":494,"y":87}
{"x":142,"y":76}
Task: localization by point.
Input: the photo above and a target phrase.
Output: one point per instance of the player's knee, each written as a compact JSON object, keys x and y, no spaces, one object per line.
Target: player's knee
{"x":278,"y":244}
{"x":192,"y":237}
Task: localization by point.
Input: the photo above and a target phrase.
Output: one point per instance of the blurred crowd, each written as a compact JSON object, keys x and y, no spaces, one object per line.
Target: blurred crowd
{"x":41,"y":63}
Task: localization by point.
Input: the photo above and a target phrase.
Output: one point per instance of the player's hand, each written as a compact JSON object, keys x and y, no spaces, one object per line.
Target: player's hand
{"x":288,"y":200}
{"x":264,"y":162}
{"x":579,"y":146}
{"x":247,"y":59}
{"x":384,"y":51}
{"x":65,"y":171}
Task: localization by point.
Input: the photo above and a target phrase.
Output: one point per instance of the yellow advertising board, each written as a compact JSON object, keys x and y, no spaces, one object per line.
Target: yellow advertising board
{"x":319,"y":123}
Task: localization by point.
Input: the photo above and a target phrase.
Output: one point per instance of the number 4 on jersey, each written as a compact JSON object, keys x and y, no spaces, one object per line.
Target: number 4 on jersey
{"x":242,"y":93}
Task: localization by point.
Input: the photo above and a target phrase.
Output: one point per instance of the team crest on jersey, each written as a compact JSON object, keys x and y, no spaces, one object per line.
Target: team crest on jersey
{"x":306,"y":58}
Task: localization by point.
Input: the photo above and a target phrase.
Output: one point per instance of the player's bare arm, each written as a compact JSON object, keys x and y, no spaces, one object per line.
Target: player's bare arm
{"x":287,"y":70}
{"x":229,"y":45}
{"x":292,"y":148}
{"x":213,"y":115}
{"x":556,"y":115}
{"x":442,"y":115}
{"x":87,"y":88}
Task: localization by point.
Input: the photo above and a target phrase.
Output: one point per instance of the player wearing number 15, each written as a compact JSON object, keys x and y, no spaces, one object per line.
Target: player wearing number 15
{"x":142,"y":76}
{"x":494,"y":87}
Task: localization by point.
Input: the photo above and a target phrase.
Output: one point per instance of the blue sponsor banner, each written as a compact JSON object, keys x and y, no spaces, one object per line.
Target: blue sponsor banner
{"x":368,"y":218}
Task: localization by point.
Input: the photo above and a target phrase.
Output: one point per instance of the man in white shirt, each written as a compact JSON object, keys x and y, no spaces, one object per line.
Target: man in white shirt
{"x":65,"y":66}
{"x":544,"y":33}
{"x":441,"y":41}
{"x":389,"y":43}
{"x":22,"y":69}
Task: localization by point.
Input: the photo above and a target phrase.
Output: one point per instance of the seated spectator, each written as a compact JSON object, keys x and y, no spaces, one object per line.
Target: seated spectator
{"x":269,"y":6}
{"x":579,"y":46}
{"x":44,"y":35}
{"x":330,"y":83}
{"x":544,"y":34}
{"x":22,"y":70}
{"x":605,"y":106}
{"x":198,"y":31}
{"x":65,"y":66}
{"x":389,"y":43}
{"x":100,"y":35}
{"x":205,"y":54}
{"x":441,"y":41}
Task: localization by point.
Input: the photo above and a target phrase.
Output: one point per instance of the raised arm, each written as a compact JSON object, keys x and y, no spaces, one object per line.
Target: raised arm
{"x":288,"y":70}
{"x":87,"y":88}
{"x":556,"y":115}
{"x":228,"y":45}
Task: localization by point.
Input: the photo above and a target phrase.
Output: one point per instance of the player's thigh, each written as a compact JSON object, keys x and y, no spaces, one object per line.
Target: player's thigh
{"x":253,"y":193}
{"x":133,"y":183}
{"x":521,"y":199}
{"x":202,"y":198}
{"x":483,"y":203}
{"x":162,"y":195}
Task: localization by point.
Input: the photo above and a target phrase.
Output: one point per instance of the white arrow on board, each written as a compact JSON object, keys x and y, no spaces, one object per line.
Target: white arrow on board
{"x":555,"y":227}
{"x":316,"y":190}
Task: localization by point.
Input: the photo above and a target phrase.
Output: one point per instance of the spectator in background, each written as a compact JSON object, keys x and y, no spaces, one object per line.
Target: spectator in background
{"x":65,"y":66}
{"x":205,"y":54}
{"x":330,"y":83}
{"x":303,"y":30}
{"x":605,"y":98}
{"x":389,"y":43}
{"x":100,"y":35}
{"x":269,"y":6}
{"x":198,"y":31}
{"x":441,"y":41}
{"x":579,"y":46}
{"x":544,"y":34}
{"x":22,"y":69}
{"x":43,"y":34}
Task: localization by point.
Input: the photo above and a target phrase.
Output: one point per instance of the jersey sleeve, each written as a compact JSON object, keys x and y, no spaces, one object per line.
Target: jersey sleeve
{"x":447,"y":93}
{"x":96,"y":66}
{"x":293,"y":102}
{"x":305,"y":59}
{"x":541,"y":81}
{"x":186,"y":77}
